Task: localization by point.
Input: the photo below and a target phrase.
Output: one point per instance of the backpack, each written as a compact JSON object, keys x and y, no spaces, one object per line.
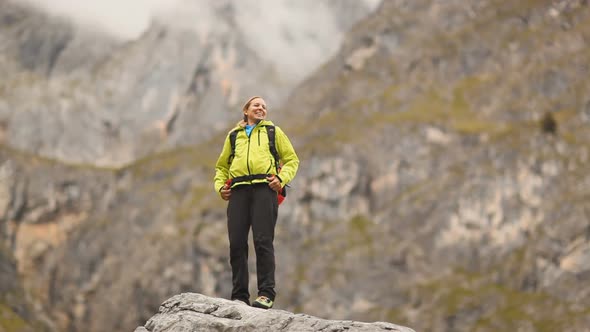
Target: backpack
{"x":270,"y":130}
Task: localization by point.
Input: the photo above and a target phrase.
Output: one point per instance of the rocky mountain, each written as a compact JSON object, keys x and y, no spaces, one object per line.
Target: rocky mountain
{"x":444,"y":186}
{"x":77,"y":94}
{"x":15,"y":313}
{"x":193,"y":312}
{"x":464,"y":179}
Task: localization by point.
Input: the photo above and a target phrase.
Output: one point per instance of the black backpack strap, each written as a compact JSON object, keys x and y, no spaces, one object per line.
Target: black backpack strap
{"x":232,"y":142}
{"x":270,"y":130}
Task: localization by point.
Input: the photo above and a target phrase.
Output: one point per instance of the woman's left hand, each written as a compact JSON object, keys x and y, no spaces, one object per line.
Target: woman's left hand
{"x":274,"y":183}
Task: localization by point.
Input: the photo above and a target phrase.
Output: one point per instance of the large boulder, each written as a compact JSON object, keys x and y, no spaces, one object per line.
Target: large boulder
{"x":192,"y":312}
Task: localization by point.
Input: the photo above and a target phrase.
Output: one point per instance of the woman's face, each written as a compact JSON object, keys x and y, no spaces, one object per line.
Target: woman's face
{"x":256,"y":111}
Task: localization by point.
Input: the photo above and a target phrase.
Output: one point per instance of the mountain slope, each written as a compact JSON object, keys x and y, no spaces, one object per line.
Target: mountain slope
{"x":77,"y":94}
{"x":426,"y":133}
{"x":433,"y":192}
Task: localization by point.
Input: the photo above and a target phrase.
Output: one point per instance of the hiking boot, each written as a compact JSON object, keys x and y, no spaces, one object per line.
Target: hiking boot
{"x":246,"y":302}
{"x":263,"y":302}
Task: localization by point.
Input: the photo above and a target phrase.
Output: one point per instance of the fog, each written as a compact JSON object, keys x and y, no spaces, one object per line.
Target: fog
{"x":125,"y":19}
{"x":295,"y":35}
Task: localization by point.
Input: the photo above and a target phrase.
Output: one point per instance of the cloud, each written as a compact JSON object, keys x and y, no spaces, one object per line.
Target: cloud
{"x":125,"y":19}
{"x":294,"y":35}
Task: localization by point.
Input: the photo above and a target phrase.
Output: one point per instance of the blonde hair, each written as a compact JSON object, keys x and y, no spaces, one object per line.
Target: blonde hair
{"x":247,"y":104}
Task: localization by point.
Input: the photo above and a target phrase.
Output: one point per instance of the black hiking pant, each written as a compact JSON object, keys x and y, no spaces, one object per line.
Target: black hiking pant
{"x":253,"y":206}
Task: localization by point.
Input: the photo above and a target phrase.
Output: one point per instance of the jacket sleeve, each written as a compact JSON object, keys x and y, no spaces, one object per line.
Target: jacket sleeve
{"x":222,"y":166}
{"x":289,"y":158}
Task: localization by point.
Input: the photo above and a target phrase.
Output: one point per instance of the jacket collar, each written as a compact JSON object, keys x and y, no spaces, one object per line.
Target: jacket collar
{"x":242,"y":124}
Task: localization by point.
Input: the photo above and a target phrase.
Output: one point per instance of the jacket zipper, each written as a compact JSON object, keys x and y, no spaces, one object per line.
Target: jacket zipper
{"x":248,"y":155}
{"x":268,"y":170}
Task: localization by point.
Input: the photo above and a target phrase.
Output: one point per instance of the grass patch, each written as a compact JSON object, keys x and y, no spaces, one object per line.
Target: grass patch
{"x":499,"y":307}
{"x":193,"y":203}
{"x":10,"y":321}
{"x":172,"y":160}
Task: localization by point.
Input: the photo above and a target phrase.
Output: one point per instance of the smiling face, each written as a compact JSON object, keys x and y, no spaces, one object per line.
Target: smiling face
{"x":255,"y":111}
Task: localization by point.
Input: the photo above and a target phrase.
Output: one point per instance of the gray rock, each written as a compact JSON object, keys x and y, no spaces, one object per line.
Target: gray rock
{"x":193,"y":312}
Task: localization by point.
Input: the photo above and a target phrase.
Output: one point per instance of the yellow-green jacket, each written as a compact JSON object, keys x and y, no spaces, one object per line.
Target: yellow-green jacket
{"x":252,"y":156}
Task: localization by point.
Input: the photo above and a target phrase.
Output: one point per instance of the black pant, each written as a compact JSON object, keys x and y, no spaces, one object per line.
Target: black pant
{"x":253,"y":206}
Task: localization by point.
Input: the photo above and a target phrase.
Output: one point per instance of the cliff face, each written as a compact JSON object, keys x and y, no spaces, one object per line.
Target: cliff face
{"x":465,"y":200}
{"x":443,"y":186}
{"x":15,"y":312}
{"x":79,"y":95}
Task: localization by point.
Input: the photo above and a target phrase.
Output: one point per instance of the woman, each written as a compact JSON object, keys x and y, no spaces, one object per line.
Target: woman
{"x":252,"y":192}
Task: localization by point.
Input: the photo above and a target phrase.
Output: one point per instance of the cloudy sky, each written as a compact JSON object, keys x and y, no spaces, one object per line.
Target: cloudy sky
{"x":296,"y":35}
{"x":121,"y":18}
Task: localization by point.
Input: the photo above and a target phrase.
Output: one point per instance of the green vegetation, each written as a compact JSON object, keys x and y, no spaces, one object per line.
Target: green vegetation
{"x":543,"y":312}
{"x":10,"y":321}
{"x":37,"y":160}
{"x":171,"y":160}
{"x":332,"y":129}
{"x":498,"y":306}
{"x":359,"y":232}
{"x":455,"y":113}
{"x":193,"y":203}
